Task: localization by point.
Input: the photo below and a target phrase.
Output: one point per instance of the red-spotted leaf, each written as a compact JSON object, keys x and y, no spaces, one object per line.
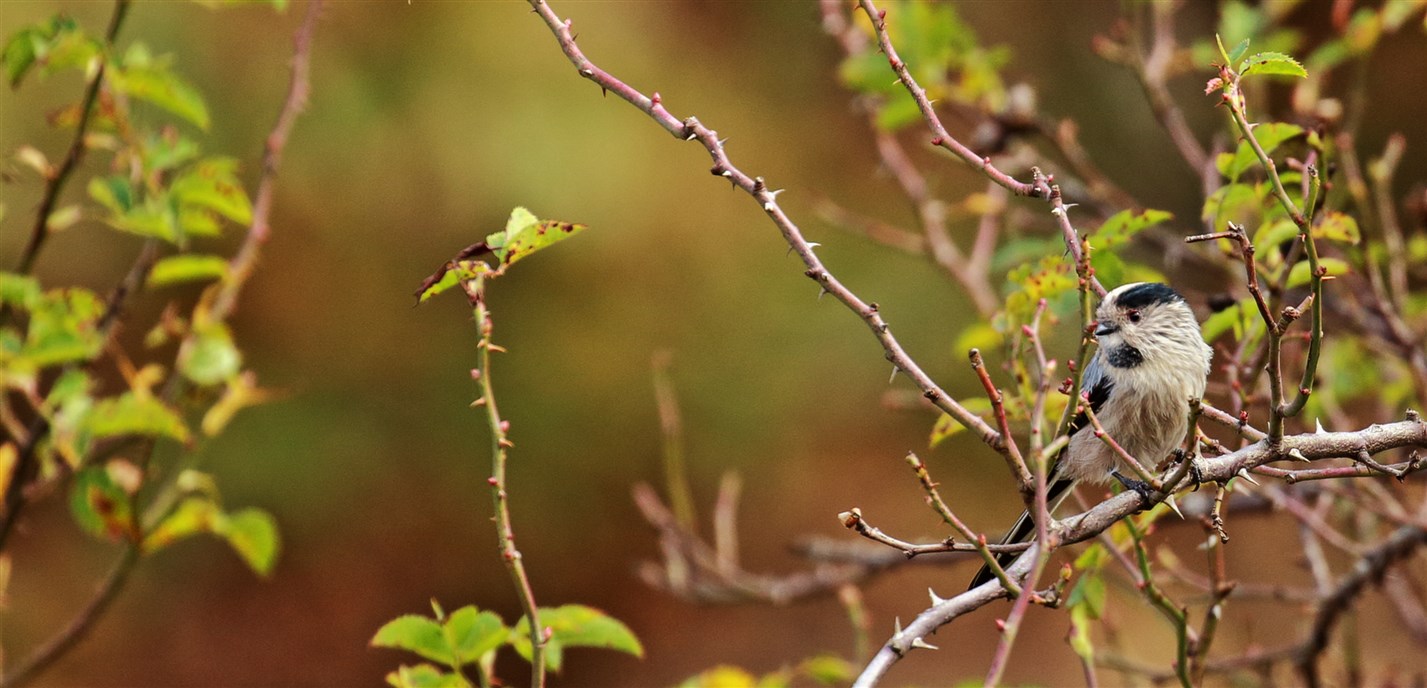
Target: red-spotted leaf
{"x":100,"y":506}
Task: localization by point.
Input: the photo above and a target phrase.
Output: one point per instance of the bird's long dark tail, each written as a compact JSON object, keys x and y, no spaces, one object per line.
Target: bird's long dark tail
{"x":1024,"y":530}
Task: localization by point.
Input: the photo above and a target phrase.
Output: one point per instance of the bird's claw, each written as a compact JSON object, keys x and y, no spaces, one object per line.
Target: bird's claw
{"x":1140,"y":487}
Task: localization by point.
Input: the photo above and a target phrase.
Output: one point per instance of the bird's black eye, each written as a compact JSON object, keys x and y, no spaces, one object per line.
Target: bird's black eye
{"x":1133,"y":315}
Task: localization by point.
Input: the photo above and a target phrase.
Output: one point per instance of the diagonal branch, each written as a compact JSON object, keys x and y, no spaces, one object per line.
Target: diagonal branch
{"x":691,"y":129}
{"x":77,"y":148}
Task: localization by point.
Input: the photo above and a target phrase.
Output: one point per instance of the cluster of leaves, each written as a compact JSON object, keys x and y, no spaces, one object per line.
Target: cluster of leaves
{"x":524,"y":234}
{"x":1247,"y":199}
{"x":469,"y":638}
{"x":944,"y":56}
{"x":55,"y":340}
{"x":1261,"y":24}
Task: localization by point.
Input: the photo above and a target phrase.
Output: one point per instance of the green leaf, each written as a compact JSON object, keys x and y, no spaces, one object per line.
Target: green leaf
{"x":415,"y":633}
{"x":187,"y":268}
{"x":978,"y":335}
{"x":947,"y":426}
{"x":192,"y":516}
{"x":1089,"y":592}
{"x":20,"y":291}
{"x":1223,"y":54}
{"x":1079,"y":638}
{"x":471,"y":633}
{"x":1108,"y":267}
{"x":1237,"y":53}
{"x":424,"y":676}
{"x":1301,"y":274}
{"x":52,"y":44}
{"x":166,"y":150}
{"x":100,"y":506}
{"x":1271,"y":235}
{"x":828,"y":670}
{"x":63,"y":327}
{"x":576,"y":625}
{"x":1272,"y":63}
{"x":1340,"y":227}
{"x":240,"y":392}
{"x":209,"y":357}
{"x":213,"y":185}
{"x":252,"y":533}
{"x":155,"y":217}
{"x":723,"y":676}
{"x":1092,"y":559}
{"x":1229,"y":319}
{"x":1269,"y":135}
{"x":1124,"y":225}
{"x":113,"y":192}
{"x":1233,"y":203}
{"x":152,"y":80}
{"x":450,"y":275}
{"x":135,"y":414}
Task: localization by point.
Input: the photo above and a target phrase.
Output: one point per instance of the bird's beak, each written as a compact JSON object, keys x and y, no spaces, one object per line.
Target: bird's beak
{"x":1102,"y":329}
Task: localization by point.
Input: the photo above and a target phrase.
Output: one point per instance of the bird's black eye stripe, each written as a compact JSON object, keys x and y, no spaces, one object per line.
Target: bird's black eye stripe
{"x":1149,"y":294}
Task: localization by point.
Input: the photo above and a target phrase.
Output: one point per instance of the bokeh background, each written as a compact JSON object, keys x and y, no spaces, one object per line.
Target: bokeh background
{"x":428,"y":122}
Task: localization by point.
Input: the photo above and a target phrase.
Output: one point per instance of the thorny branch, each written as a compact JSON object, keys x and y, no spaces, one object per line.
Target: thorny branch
{"x":691,"y":129}
{"x":1259,"y":448}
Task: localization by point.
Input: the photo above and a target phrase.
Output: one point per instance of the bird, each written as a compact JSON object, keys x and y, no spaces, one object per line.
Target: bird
{"x":1150,"y":361}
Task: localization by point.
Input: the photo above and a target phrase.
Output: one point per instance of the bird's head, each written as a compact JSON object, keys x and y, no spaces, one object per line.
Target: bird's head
{"x":1145,"y":320}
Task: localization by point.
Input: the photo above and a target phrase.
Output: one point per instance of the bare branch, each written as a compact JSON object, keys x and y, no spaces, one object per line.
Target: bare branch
{"x":692,"y":130}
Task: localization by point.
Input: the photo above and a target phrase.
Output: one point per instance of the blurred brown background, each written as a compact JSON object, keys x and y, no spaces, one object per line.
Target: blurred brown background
{"x":428,"y":122}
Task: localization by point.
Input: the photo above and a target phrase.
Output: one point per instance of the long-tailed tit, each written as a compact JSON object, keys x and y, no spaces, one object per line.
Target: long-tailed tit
{"x":1151,"y":361}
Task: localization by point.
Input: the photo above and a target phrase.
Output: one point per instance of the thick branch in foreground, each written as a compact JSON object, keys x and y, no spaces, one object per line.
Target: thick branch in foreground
{"x":1084,"y":526}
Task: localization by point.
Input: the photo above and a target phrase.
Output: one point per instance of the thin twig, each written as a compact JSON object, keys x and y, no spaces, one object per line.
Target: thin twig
{"x":947,"y":515}
{"x":1014,"y":460}
{"x":298,"y":92}
{"x":47,"y":654}
{"x":676,"y":477}
{"x":500,"y":496}
{"x":78,"y":146}
{"x":1369,"y":567}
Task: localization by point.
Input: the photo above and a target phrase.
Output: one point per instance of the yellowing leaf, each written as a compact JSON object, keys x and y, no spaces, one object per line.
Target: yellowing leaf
{"x":947,"y":426}
{"x":1336,"y":226}
{"x":134,"y":414}
{"x":187,"y":268}
{"x":209,"y":357}
{"x":723,"y":676}
{"x":192,"y":516}
{"x":253,"y":534}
